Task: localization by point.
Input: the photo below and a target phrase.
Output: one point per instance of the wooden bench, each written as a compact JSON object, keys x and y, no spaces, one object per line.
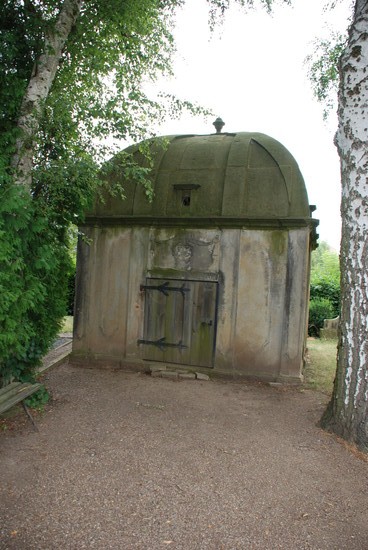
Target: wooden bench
{"x":15,"y":393}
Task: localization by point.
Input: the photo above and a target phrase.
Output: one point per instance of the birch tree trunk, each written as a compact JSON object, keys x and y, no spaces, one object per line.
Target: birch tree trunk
{"x":347,"y":413}
{"x":38,"y":88}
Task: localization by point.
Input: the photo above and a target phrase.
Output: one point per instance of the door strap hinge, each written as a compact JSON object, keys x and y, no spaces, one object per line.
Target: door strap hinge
{"x":162,"y":344}
{"x":165,"y":288}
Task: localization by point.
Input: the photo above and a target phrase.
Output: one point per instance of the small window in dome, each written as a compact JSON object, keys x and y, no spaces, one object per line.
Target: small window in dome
{"x":184,"y":193}
{"x":185,"y":198}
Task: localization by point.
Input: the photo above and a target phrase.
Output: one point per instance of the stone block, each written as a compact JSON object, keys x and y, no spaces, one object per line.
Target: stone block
{"x":187,"y":375}
{"x":201,"y":376}
{"x":157,"y":373}
{"x":328,"y":333}
{"x":169,"y":374}
{"x":154,"y":368}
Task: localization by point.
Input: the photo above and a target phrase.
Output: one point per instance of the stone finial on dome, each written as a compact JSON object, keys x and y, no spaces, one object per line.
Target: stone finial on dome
{"x":219,"y":124}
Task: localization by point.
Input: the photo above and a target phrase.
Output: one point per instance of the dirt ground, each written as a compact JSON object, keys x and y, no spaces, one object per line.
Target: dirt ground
{"x":127,"y":461}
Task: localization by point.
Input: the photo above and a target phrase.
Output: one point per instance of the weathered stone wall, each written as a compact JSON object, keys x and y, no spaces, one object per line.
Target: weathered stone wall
{"x":262,"y":277}
{"x":262,"y":326}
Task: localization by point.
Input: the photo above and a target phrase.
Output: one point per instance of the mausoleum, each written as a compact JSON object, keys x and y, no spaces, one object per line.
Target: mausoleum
{"x":212,"y":275}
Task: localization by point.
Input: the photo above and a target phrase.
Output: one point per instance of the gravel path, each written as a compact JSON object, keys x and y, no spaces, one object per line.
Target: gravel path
{"x":127,"y":461}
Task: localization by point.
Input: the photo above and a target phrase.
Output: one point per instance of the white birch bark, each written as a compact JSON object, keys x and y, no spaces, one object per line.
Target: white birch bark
{"x":347,"y":414}
{"x":38,"y":88}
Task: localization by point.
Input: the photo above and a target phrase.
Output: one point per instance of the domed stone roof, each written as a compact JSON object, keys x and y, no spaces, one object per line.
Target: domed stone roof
{"x":221,"y":177}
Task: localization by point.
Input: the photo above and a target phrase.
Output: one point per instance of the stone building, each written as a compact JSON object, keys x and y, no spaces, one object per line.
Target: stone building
{"x":212,"y":275}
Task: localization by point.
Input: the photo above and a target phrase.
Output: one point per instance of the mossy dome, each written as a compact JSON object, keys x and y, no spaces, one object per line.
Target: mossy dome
{"x":223,"y":176}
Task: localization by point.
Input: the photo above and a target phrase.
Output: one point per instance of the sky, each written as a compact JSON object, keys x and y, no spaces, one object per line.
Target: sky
{"x":251,"y":73}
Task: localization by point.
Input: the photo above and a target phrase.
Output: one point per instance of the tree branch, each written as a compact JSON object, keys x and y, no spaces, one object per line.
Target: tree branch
{"x":43,"y":75}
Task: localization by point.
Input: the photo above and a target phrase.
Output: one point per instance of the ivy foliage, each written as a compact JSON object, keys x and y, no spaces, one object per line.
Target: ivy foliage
{"x":34,"y":265}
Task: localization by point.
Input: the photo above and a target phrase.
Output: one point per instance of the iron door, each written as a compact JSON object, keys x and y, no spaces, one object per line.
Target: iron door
{"x":180,"y":321}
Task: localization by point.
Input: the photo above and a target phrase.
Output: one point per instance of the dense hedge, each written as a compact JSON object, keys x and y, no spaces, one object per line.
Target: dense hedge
{"x":34,"y":263}
{"x":327,"y":290}
{"x":319,"y":310}
{"x":324,"y":288}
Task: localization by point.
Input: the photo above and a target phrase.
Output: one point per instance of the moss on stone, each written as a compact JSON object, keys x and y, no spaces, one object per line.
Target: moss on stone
{"x":248,"y":175}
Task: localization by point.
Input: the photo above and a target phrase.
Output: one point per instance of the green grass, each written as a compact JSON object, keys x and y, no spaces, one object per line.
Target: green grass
{"x":320,"y":369}
{"x":67,"y":324}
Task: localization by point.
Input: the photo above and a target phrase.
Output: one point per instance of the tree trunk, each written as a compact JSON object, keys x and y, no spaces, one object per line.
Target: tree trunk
{"x":43,"y":74}
{"x":347,"y":413}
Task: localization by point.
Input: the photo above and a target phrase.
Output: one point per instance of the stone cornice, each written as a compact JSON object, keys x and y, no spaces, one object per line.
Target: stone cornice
{"x":220,"y":221}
